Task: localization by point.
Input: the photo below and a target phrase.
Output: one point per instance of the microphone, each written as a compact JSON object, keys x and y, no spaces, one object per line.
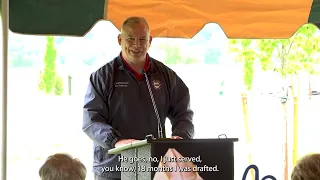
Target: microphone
{"x":160,"y":135}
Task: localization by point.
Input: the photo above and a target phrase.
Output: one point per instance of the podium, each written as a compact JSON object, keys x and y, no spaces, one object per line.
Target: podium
{"x":214,"y":158}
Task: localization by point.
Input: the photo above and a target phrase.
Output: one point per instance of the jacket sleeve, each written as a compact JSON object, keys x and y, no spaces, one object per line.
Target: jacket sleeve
{"x":95,"y":113}
{"x":180,"y":113}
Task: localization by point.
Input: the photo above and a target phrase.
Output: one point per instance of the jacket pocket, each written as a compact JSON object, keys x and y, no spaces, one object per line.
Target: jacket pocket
{"x":98,"y":153}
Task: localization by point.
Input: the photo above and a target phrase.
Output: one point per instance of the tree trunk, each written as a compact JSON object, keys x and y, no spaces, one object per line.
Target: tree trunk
{"x":295,"y":119}
{"x":286,"y":163}
{"x":295,"y":96}
{"x":310,"y":91}
{"x":295,"y":130}
{"x":247,"y":130}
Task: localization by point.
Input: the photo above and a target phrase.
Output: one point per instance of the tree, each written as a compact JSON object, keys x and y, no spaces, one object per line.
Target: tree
{"x":173,"y":55}
{"x":189,"y":60}
{"x":58,"y":86}
{"x":309,"y":47}
{"x":294,"y":55}
{"x":48,"y":74}
{"x":281,"y":50}
{"x":245,"y":54}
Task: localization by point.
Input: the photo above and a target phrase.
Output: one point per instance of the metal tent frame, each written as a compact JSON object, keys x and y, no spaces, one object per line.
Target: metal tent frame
{"x":4,"y":85}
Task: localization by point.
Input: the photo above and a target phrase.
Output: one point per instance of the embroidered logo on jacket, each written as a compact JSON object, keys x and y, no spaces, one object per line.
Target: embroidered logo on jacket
{"x":121,"y":84}
{"x":156,"y":84}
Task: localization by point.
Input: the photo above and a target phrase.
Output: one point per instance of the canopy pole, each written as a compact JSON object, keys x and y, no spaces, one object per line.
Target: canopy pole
{"x":4,"y":98}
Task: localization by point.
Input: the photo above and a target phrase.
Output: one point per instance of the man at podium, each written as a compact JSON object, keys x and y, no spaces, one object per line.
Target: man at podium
{"x":131,"y":97}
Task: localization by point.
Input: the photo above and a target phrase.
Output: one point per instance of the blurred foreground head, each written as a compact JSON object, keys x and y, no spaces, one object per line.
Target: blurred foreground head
{"x":308,"y":168}
{"x":62,"y":167}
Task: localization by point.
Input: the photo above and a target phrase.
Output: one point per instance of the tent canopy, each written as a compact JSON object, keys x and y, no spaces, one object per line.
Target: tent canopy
{"x":167,"y":18}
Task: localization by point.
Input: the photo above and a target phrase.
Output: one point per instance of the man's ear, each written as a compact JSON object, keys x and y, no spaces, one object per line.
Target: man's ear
{"x":150,"y":40}
{"x":119,"y":39}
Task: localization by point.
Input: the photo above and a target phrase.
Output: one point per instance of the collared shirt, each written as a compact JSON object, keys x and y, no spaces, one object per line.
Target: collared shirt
{"x":137,"y":75}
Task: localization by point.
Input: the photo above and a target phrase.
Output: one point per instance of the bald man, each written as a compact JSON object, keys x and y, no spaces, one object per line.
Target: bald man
{"x":118,"y":108}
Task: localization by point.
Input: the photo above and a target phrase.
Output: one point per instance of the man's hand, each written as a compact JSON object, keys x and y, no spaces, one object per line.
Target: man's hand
{"x":122,"y":142}
{"x":176,"y":137}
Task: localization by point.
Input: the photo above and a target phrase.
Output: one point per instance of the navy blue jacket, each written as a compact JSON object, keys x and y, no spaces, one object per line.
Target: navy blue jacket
{"x":118,"y":106}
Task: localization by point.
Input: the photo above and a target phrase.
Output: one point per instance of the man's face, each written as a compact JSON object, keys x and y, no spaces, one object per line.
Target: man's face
{"x":135,"y":41}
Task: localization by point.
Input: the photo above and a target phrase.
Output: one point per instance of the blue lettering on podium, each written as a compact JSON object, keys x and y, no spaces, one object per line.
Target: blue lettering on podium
{"x":256,"y":174}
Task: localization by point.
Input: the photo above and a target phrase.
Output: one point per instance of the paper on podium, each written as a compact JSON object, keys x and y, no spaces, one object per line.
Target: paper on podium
{"x":118,"y":150}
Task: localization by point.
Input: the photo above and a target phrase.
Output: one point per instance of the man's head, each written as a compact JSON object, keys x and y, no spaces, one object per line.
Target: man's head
{"x":62,"y":167}
{"x":135,"y":39}
{"x":308,"y":168}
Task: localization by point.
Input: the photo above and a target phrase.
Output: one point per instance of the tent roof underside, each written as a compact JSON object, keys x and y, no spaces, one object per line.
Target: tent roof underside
{"x":167,"y":18}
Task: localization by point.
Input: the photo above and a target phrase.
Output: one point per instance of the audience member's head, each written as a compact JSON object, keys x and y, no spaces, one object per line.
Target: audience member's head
{"x":308,"y":168}
{"x":62,"y":167}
